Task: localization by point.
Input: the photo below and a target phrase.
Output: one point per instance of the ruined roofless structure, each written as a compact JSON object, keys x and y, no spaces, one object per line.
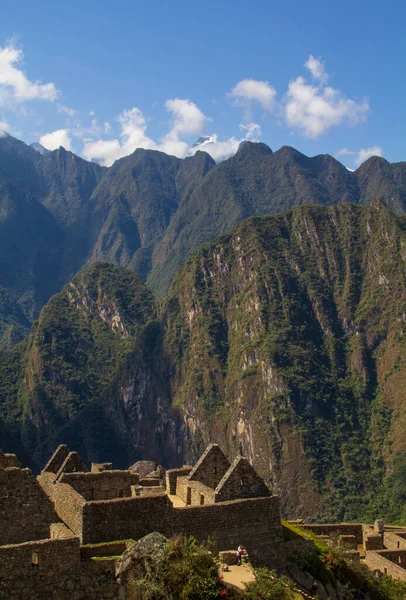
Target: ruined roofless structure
{"x":51,"y":526}
{"x":229,"y":502}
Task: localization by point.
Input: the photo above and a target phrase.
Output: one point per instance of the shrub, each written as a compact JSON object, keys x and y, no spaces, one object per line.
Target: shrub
{"x":267,"y":586}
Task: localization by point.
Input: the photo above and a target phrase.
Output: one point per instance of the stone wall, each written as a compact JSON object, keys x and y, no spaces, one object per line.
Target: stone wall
{"x":123,"y":518}
{"x":376,"y":561}
{"x":53,"y":569}
{"x":68,"y":503}
{"x":241,"y":481}
{"x":26,"y":512}
{"x":172,"y":475}
{"x":336,"y":529}
{"x":392,"y":541}
{"x":57,"y":459}
{"x":37,"y":569}
{"x":372,"y":539}
{"x":72,"y":464}
{"x":99,"y":467}
{"x":8,"y":460}
{"x":255,"y":523}
{"x":396,"y":556}
{"x":103,"y":485}
{"x":194,"y":493}
{"x":211,"y":467}
{"x":106,"y":549}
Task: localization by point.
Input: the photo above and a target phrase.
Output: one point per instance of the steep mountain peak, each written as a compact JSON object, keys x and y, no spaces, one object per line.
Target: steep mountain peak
{"x":290,"y":153}
{"x":373,"y":163}
{"x":247,"y":148}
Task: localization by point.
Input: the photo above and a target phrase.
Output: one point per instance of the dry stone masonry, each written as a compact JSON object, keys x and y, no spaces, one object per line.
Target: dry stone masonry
{"x":60,"y":531}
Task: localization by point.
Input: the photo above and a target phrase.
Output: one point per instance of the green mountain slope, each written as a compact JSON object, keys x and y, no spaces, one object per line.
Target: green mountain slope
{"x":287,"y":339}
{"x":82,"y":342}
{"x":284,"y":339}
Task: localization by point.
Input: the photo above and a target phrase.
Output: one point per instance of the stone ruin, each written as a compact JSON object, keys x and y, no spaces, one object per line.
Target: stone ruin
{"x":381,"y":547}
{"x":54,"y":526}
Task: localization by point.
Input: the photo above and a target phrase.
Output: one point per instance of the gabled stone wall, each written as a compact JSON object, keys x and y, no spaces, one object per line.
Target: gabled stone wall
{"x":211,"y":467}
{"x":241,"y":481}
{"x":57,"y":459}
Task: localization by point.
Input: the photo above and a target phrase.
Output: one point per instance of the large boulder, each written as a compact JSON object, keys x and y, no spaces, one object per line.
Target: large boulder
{"x":137,"y":563}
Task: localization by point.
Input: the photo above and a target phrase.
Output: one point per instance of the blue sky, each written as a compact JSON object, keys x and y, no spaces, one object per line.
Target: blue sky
{"x":103,"y":78}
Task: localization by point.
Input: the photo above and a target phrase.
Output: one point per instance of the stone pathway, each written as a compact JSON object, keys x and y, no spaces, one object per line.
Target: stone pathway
{"x":238,"y":576}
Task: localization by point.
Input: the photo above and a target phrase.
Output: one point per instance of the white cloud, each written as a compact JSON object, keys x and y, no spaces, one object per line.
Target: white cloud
{"x":218,"y":150}
{"x":132,"y":136}
{"x":361,"y":155}
{"x":314,"y":110}
{"x":251,"y":90}
{"x":252,"y":131}
{"x":65,"y":109}
{"x":4,"y":127}
{"x":55,"y":139}
{"x":187,"y":120}
{"x":15,"y":87}
{"x":316,"y":68}
{"x":366,"y":153}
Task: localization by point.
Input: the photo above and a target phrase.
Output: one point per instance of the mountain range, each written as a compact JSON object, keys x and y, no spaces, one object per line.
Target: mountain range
{"x":149,"y":211}
{"x":282,"y":338}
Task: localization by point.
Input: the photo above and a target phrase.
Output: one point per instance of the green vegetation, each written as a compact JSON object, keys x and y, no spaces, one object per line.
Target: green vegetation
{"x":268,"y":586}
{"x":330,"y":566}
{"x":188,"y":570}
{"x":286,"y":336}
{"x":308,"y":298}
{"x":80,"y":343}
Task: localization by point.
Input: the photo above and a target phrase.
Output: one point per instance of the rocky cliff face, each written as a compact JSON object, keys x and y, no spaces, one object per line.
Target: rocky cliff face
{"x":284,"y":340}
{"x":90,"y":373}
{"x":287,"y":340}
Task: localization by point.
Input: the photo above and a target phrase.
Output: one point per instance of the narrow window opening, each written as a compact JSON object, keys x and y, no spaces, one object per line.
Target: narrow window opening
{"x":201,"y":499}
{"x":34,"y":559}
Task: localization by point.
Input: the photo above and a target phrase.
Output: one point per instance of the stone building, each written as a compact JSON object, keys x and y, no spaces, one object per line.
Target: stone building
{"x":213,"y":479}
{"x":229,"y":502}
{"x":52,"y":526}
